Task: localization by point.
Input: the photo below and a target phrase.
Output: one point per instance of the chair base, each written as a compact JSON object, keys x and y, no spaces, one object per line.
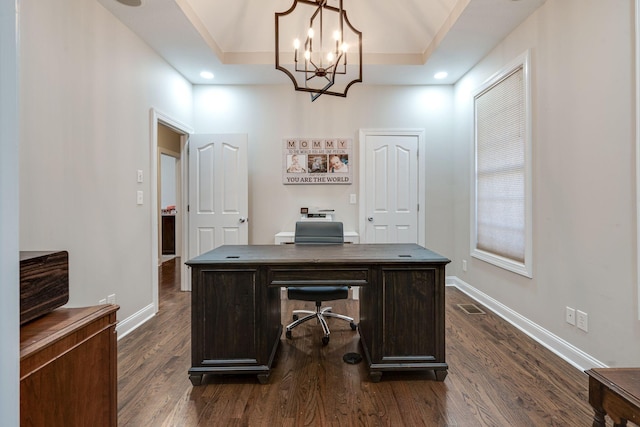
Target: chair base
{"x":321,"y":314}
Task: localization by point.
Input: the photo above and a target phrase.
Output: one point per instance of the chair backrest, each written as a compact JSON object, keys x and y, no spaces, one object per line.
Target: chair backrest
{"x":318,"y":232}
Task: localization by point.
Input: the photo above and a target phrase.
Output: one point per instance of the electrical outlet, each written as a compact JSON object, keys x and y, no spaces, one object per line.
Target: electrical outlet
{"x":582,"y":320}
{"x":102,"y":301}
{"x":140,"y":176}
{"x":570,"y":316}
{"x":140,"y":197}
{"x":111,"y":299}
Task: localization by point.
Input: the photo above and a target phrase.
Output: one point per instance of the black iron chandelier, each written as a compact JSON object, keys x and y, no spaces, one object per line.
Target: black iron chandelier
{"x":328,"y":60}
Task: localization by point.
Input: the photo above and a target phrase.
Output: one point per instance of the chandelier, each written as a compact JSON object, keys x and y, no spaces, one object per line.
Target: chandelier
{"x":318,"y":48}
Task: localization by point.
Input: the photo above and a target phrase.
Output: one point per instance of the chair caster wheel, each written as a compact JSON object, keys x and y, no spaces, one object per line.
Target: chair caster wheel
{"x":288,"y":334}
{"x":295,"y":317}
{"x":353,"y":326}
{"x":325,"y":340}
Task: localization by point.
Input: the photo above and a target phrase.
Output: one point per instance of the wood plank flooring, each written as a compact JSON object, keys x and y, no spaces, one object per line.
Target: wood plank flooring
{"x":497,"y":377}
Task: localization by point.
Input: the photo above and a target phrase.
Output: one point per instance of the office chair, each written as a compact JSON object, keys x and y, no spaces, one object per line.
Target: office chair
{"x":318,"y":233}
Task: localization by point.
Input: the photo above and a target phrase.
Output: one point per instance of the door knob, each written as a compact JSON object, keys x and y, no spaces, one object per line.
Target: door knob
{"x":370,"y":219}
{"x":243,"y":219}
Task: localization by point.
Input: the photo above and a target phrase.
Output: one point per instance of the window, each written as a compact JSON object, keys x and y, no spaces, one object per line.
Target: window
{"x":501,"y":214}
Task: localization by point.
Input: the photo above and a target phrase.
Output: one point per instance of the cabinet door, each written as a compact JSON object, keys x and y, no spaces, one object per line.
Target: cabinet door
{"x":224,"y":322}
{"x":413,"y":328}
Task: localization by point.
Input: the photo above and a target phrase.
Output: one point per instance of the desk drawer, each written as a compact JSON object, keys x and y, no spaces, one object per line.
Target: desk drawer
{"x":318,"y":277}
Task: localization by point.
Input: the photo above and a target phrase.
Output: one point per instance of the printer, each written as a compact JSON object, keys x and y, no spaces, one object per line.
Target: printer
{"x":316,"y":214}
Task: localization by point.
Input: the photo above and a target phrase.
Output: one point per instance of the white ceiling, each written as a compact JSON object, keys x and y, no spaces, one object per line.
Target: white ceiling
{"x":404,"y":41}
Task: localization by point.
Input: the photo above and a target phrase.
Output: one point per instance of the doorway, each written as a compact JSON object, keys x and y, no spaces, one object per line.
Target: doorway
{"x":169,"y":207}
{"x":168,"y":138}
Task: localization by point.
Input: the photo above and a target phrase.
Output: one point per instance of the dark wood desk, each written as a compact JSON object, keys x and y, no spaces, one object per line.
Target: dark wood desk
{"x":615,"y":392}
{"x":235,"y":304}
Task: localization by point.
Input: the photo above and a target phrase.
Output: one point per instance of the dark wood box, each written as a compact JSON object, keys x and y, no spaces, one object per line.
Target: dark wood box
{"x":44,"y":283}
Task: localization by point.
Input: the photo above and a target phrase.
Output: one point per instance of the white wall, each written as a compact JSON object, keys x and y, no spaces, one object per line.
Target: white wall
{"x":87,"y":84}
{"x":87,"y":87}
{"x":168,"y":180}
{"x":9,"y":272}
{"x":270,"y":113}
{"x":583,"y":176}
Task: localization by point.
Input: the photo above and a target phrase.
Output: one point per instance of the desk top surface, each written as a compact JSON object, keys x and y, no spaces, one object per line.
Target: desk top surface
{"x":319,"y":254}
{"x":623,"y":381}
{"x":58,"y":324}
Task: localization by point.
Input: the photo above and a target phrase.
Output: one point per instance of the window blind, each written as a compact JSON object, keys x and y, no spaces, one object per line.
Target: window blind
{"x":500,"y":168}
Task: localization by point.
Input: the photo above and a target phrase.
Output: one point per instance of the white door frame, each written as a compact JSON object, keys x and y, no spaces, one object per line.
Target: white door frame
{"x":421,"y":184}
{"x":185,"y":131}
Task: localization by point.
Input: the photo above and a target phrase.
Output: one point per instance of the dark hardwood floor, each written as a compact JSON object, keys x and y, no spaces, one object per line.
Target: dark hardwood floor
{"x":497,"y":377}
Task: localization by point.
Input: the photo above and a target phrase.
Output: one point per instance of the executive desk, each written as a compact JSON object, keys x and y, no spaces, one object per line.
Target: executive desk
{"x":235,"y":304}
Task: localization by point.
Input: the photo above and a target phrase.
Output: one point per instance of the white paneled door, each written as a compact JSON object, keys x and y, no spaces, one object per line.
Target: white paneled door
{"x":218,"y":192}
{"x":390,"y":184}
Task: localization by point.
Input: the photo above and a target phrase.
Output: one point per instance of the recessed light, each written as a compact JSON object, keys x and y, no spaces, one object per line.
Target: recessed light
{"x":440,"y":75}
{"x":134,"y":3}
{"x":206,"y":75}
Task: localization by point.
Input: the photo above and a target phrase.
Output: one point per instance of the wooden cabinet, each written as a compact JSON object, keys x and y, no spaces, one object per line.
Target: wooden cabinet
{"x":235,"y":322}
{"x":168,"y":234}
{"x":68,"y":368}
{"x":235,"y":307}
{"x":402,"y":319}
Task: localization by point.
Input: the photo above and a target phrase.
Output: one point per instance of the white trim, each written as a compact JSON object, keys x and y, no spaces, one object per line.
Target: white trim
{"x":131,"y":323}
{"x":422,"y":186}
{"x":185,"y":277}
{"x":499,"y":261}
{"x":9,"y":212}
{"x":526,"y":268}
{"x":155,"y":118}
{"x":168,"y":152}
{"x":563,"y":349}
{"x":637,"y":64}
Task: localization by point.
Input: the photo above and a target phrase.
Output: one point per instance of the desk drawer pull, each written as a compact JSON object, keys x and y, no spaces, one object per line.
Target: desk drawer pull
{"x":323,"y":275}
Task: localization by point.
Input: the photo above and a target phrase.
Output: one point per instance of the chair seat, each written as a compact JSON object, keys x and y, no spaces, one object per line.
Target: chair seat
{"x":318,"y":293}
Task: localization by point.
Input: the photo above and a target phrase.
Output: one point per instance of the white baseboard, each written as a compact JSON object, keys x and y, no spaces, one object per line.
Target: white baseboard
{"x":129,"y":324}
{"x":557,"y":345}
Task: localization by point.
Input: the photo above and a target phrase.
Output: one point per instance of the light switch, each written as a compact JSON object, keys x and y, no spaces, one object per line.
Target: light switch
{"x":140,"y":175}
{"x":140,"y":197}
{"x":352,"y":199}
